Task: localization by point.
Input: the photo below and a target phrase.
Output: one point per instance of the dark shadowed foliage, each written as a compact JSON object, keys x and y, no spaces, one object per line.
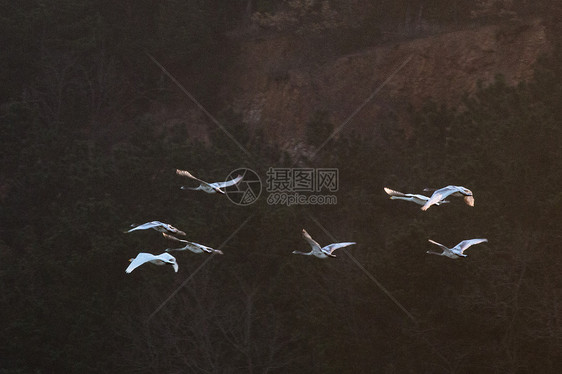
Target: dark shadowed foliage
{"x":83,"y":158}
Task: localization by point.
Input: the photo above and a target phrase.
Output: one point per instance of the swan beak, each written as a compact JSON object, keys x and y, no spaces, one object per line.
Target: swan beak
{"x":469,"y":200}
{"x":176,"y":267}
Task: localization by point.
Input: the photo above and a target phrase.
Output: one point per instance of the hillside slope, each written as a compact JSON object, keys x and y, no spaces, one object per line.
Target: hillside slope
{"x":278,"y":83}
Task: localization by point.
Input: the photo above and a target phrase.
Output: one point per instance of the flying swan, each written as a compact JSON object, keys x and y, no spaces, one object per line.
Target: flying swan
{"x":143,"y":258}
{"x":418,"y":199}
{"x":458,"y":250}
{"x":442,"y":193}
{"x":208,"y":187}
{"x":191,"y":246}
{"x":158,"y":226}
{"x":321,"y":252}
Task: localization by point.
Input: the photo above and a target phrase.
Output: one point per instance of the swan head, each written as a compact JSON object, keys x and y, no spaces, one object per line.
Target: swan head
{"x":300,"y":253}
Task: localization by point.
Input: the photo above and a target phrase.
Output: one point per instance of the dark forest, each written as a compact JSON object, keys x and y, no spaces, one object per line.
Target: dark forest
{"x":83,"y":157}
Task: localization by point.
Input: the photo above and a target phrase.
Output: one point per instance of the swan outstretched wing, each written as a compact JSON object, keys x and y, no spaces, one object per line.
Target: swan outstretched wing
{"x":393,"y":192}
{"x":463,"y":246}
{"x":192,"y":246}
{"x":439,"y":245}
{"x":186,"y":173}
{"x":171,"y":228}
{"x":141,"y":259}
{"x":169,"y":259}
{"x":195,"y":248}
{"x":145,"y":226}
{"x":229,"y":183}
{"x":416,"y":198}
{"x":329,"y":249}
{"x":187,"y":246}
{"x":158,"y":226}
{"x":442,"y":193}
{"x":438,"y":196}
{"x":315,"y":246}
{"x":171,"y":237}
{"x":204,"y":248}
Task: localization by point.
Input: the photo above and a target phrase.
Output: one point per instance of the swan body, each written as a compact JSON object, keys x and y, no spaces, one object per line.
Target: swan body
{"x":191,"y":246}
{"x":415,"y":198}
{"x":442,"y":193}
{"x":158,"y":226}
{"x":458,"y":250}
{"x":143,"y":258}
{"x":208,"y":187}
{"x":321,"y":252}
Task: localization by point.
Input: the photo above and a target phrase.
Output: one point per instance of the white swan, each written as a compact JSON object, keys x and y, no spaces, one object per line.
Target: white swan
{"x":143,"y":258}
{"x":191,"y":246}
{"x":158,"y":226}
{"x":208,"y":187}
{"x":321,"y":252}
{"x":418,"y":199}
{"x":442,"y":193}
{"x":458,"y":250}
